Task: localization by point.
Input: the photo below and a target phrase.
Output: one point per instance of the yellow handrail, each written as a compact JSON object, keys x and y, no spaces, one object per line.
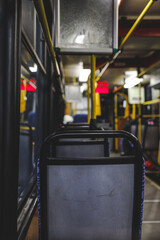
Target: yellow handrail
{"x":26,"y":128}
{"x":126,"y":115}
{"x":140,"y":75}
{"x":142,"y":14}
{"x":152,"y":102}
{"x":150,"y":115}
{"x":45,"y":28}
{"x":148,"y":69}
{"x":145,"y":10}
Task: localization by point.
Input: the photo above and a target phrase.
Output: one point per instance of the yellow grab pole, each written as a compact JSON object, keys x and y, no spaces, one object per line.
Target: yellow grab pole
{"x":133,"y":111}
{"x":93,"y":95}
{"x":151,"y":116}
{"x":159,"y":133}
{"x":139,"y":76}
{"x":126,"y":115}
{"x":43,"y":20}
{"x":139,"y":117}
{"x":149,"y":4}
{"x":151,"y":102}
{"x":107,"y":64}
{"x":74,"y":108}
{"x":116,"y":119}
{"x":46,"y":32}
{"x":88,"y":99}
{"x":148,"y":69}
{"x":102,"y":72}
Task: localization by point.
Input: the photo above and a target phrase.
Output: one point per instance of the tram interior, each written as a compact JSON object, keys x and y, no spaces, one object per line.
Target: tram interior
{"x":73,"y":106}
{"x":116,"y":102}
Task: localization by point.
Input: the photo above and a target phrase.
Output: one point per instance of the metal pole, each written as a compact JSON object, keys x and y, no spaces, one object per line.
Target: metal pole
{"x":39,"y":118}
{"x":45,"y":28}
{"x":151,"y":116}
{"x":151,"y":102}
{"x":140,"y":75}
{"x":32,"y":52}
{"x":139,"y":19}
{"x":148,"y":69}
{"x":74,"y":108}
{"x":139,"y":117}
{"x":133,"y":111}
{"x":145,"y":10}
{"x":93,"y":96}
{"x":9,"y":115}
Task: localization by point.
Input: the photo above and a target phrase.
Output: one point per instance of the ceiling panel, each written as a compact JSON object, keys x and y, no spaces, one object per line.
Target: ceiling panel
{"x":130,"y":8}
{"x":143,"y":43}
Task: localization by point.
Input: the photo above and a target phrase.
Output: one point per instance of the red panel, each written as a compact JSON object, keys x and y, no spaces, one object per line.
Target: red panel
{"x":104,"y":83}
{"x":29,"y":88}
{"x":102,"y":90}
{"x":102,"y":87}
{"x":22,"y":86}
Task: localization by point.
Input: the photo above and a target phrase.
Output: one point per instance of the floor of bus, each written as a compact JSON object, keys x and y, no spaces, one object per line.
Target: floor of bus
{"x":151,"y":214}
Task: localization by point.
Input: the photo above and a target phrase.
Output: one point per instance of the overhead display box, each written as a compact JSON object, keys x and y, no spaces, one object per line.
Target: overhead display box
{"x":86,"y":26}
{"x":134,"y":97}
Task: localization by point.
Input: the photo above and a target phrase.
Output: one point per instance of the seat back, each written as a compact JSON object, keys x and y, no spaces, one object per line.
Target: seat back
{"x":91,"y":197}
{"x":80,"y":118}
{"x":90,"y":148}
{"x":69,"y":147}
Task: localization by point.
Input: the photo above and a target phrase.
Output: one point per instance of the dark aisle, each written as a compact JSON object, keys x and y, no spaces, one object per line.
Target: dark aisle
{"x":151,"y":212}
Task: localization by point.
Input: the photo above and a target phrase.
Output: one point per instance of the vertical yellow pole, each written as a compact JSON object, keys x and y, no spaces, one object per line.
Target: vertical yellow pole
{"x":93,"y":96}
{"x":22,"y":117}
{"x":139,"y":117}
{"x":116,"y":119}
{"x":159,"y":133}
{"x":98,"y":105}
{"x":88,"y":99}
{"x":74,"y":108}
{"x":133,"y":111}
{"x":127,"y":110}
{"x":74,"y":103}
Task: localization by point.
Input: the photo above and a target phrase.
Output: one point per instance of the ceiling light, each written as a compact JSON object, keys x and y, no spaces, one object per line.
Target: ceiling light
{"x":34,"y":68}
{"x":131,"y":73}
{"x":84,"y":73}
{"x":131,"y":82}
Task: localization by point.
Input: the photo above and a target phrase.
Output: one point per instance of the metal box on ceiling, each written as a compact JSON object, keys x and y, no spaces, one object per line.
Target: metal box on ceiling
{"x":86,"y":26}
{"x":134,"y":95}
